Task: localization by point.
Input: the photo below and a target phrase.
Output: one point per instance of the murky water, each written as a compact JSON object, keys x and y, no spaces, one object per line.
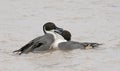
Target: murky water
{"x":92,"y":21}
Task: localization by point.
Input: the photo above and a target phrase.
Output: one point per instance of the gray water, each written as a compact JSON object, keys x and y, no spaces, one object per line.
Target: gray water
{"x":92,"y":21}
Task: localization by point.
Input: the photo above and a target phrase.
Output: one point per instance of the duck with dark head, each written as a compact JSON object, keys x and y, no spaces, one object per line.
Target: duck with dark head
{"x":70,"y":45}
{"x":41,"y":43}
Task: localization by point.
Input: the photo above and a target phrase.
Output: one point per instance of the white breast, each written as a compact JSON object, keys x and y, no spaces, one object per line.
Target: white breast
{"x":58,"y":39}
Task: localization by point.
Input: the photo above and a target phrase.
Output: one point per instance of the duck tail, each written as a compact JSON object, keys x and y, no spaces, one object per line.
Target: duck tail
{"x":88,"y":45}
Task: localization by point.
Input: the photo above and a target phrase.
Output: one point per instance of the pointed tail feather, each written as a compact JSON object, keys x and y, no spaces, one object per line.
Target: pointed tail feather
{"x":23,"y":49}
{"x":88,"y":45}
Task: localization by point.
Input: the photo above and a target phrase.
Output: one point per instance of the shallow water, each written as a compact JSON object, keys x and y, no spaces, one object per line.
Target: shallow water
{"x":90,"y":21}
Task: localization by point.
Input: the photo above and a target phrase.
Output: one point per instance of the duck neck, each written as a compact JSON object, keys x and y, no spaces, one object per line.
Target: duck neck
{"x":58,"y":39}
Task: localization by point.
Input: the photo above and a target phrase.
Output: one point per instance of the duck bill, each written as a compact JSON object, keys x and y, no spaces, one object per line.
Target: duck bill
{"x":58,"y":30}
